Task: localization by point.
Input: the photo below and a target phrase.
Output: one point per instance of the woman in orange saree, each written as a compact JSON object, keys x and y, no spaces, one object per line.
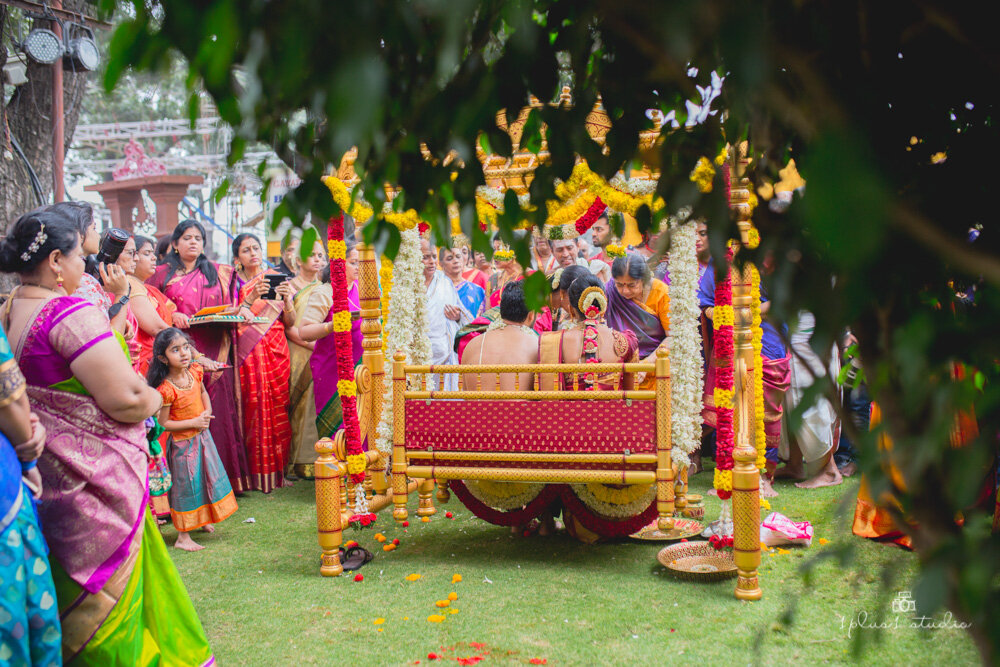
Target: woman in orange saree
{"x":152,"y":309}
{"x":265,"y":368}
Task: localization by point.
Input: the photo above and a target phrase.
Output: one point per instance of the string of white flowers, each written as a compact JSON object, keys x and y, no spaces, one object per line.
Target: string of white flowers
{"x":495,"y":197}
{"x":686,"y":368}
{"x":406,"y":325}
{"x":637,"y":187}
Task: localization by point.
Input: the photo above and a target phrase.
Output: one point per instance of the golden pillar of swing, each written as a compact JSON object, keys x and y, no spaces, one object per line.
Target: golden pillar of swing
{"x":746,"y":477}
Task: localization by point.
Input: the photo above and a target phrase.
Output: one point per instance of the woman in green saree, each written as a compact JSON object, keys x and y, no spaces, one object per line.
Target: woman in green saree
{"x":120,"y":598}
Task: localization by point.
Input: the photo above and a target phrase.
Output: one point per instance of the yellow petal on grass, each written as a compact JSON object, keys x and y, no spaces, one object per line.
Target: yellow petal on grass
{"x":425,"y":519}
{"x":455,"y":578}
{"x":379,"y":621}
{"x":823,"y":540}
{"x":442,"y":603}
{"x":413,"y":577}
{"x":452,"y":611}
{"x":435,"y":618}
{"x":452,"y":596}
{"x":783,"y":552}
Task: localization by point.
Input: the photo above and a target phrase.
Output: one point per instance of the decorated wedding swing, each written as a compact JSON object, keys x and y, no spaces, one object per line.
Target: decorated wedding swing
{"x":508,"y":455}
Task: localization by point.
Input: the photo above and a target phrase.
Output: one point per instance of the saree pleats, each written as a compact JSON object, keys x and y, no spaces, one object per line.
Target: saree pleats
{"x":142,"y":615}
{"x":200,"y":493}
{"x":302,"y":405}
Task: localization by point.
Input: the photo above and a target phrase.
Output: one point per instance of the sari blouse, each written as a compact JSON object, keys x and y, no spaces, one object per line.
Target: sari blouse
{"x":184,"y":403}
{"x":72,"y":322}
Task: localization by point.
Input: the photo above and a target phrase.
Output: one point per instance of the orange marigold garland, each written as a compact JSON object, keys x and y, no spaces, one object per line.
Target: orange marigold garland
{"x":346,"y":388}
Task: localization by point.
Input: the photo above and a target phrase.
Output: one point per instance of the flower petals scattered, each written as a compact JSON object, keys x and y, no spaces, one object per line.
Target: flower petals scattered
{"x":413,"y":577}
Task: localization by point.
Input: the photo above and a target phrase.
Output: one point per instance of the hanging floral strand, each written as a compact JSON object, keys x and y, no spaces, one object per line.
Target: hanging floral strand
{"x":346,"y":388}
{"x":723,"y":393}
{"x":686,"y":367}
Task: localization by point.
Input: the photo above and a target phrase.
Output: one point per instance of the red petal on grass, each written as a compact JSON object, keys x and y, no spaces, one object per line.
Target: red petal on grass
{"x":405,"y":524}
{"x":359,"y":577}
{"x":448,"y":515}
{"x":539,"y":661}
{"x":477,"y":645}
{"x":396,"y":541}
{"x":433,"y":656}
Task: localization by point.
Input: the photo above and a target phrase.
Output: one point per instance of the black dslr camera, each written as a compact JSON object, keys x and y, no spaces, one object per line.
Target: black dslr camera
{"x":109,"y":252}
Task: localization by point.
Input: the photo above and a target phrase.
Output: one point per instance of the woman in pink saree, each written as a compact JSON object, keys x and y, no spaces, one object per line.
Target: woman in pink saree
{"x":192,"y":283}
{"x":120,"y":598}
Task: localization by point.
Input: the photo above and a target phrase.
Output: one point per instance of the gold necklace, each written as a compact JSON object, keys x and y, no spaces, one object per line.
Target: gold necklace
{"x":189,"y":384}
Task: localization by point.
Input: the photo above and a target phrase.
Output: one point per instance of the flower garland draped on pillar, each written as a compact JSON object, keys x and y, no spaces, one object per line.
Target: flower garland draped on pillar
{"x":685,"y":340}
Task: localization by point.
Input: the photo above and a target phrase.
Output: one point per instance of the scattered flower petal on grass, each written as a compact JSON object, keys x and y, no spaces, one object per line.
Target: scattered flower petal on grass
{"x":453,"y":597}
{"x":442,"y":603}
{"x":413,"y":577}
{"x":396,"y":541}
{"x":455,"y":578}
{"x":448,"y":515}
{"x":379,"y":621}
{"x":783,"y":552}
{"x":538,"y":661}
{"x":359,"y":577}
{"x":435,"y":618}
{"x":823,"y":540}
{"x":433,"y":656}
{"x":388,"y":547}
{"x":380,"y":629}
{"x":350,"y":543}
{"x":425,"y":519}
{"x":405,"y":524}
{"x":764,"y":505}
{"x":477,"y":645}
{"x":452,"y":611}
{"x":379,"y":537}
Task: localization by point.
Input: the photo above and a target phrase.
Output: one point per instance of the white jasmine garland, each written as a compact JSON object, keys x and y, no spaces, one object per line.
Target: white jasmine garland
{"x":406,"y":326}
{"x":686,"y":368}
{"x":495,"y":197}
{"x":637,"y":187}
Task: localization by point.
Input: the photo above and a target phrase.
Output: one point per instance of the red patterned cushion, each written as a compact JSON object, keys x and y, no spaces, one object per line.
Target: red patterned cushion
{"x":597,"y":427}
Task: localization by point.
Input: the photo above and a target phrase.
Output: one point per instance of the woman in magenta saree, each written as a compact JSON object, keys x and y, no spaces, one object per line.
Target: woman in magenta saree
{"x":192,"y":282}
{"x":120,"y":598}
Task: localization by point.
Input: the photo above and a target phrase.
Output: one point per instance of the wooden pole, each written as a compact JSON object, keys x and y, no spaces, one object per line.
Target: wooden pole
{"x":664,"y":466}
{"x":58,"y":127}
{"x":372,"y":358}
{"x":746,"y":477}
{"x":399,"y":513}
{"x":329,"y":522}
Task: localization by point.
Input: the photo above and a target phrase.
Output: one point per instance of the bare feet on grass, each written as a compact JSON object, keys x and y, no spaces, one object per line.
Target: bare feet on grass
{"x":766,"y":490}
{"x":828,"y":476}
{"x":185,"y":542}
{"x":208,"y":528}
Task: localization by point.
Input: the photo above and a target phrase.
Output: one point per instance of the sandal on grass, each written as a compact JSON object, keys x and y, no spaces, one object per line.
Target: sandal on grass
{"x":356,"y":557}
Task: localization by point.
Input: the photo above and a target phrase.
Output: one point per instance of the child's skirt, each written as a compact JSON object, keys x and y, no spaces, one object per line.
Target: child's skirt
{"x":159,"y":486}
{"x":200,"y":492}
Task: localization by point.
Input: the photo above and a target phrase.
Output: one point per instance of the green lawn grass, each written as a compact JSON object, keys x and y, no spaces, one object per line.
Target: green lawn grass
{"x":258,"y":592}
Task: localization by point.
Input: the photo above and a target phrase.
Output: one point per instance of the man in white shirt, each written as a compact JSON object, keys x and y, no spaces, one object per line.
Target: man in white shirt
{"x":445,"y":316}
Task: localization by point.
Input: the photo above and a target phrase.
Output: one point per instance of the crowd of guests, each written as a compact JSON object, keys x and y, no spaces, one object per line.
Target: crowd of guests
{"x":164,"y":384}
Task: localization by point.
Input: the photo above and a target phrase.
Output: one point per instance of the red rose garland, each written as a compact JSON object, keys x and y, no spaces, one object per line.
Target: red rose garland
{"x":724,"y":391}
{"x":588,"y":219}
{"x":345,"y":351}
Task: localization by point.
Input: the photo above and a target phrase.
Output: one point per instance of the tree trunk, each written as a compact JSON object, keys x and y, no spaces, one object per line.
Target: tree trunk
{"x":28,"y":119}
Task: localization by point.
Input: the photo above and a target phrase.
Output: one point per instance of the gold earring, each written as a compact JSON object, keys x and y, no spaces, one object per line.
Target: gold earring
{"x":59,"y":280}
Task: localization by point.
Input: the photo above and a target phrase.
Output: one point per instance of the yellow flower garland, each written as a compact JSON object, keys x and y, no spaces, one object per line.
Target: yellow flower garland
{"x":342,"y":321}
{"x":583,"y":179}
{"x":723,"y":397}
{"x":356,"y":464}
{"x":723,"y":316}
{"x":723,"y":480}
{"x":337,"y":249}
{"x":408,"y":219}
{"x":346,"y":388}
{"x":385,"y":277}
{"x":567,"y":213}
{"x":703,"y":174}
{"x":618,"y":496}
{"x":757,"y":333}
{"x":357,"y":210}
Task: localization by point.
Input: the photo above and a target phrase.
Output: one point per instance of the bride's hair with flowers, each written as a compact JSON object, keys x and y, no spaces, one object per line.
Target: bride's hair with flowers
{"x":590,"y":284}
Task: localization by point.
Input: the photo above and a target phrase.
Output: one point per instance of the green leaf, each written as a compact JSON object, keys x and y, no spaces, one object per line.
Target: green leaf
{"x":309,"y":237}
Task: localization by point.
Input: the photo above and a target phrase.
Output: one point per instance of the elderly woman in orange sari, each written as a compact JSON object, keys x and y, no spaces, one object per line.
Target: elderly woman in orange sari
{"x":639,"y":303}
{"x":264,"y":367}
{"x":302,"y":403}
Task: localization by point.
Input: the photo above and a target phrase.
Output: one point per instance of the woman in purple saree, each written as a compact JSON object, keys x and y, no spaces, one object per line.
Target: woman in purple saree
{"x":120,"y":598}
{"x":193,"y":283}
{"x":639,"y":303}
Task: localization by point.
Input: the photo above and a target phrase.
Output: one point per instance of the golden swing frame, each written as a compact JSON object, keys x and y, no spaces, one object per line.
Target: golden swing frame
{"x":334,"y":492}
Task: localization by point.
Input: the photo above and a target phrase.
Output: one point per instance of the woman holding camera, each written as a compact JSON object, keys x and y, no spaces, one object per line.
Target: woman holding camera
{"x":119,"y":596}
{"x":192,"y":283}
{"x":264,"y":363}
{"x":153,"y":311}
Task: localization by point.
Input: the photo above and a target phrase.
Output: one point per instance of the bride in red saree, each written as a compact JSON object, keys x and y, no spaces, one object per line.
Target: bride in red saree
{"x":264,"y":368}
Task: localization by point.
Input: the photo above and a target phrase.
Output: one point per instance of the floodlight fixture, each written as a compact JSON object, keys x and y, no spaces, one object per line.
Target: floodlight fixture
{"x":43,"y":46}
{"x":81,"y":48}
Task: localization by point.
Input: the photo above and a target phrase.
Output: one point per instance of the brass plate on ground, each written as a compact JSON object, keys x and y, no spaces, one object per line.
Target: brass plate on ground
{"x":697,"y":561}
{"x":683,"y":528}
{"x":693,"y":498}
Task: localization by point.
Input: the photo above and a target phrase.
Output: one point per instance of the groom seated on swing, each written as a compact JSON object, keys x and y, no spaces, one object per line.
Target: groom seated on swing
{"x":509,"y":340}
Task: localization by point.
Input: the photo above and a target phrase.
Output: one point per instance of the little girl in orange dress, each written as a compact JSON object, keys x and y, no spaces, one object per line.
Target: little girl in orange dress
{"x":200,"y":494}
